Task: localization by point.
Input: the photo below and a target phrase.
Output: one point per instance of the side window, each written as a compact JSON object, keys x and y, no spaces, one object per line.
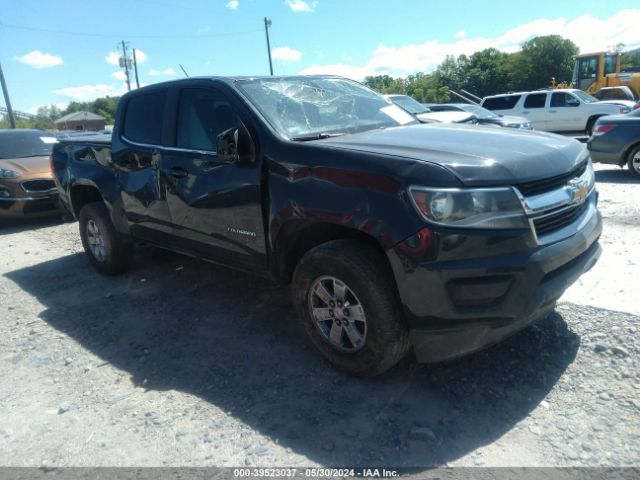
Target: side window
{"x":501,"y":103}
{"x":144,"y":117}
{"x":203,"y":114}
{"x":535,"y":100}
{"x":559,"y":99}
{"x":609,"y":64}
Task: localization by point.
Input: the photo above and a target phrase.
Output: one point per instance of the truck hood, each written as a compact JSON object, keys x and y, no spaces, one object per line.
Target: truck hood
{"x":512,"y":120}
{"x":626,"y":103}
{"x":477,"y":155}
{"x":27,"y":165}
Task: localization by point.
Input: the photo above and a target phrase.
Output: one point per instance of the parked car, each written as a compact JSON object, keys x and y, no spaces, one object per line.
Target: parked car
{"x":484,"y":116}
{"x":616,"y":140}
{"x":394,"y":235}
{"x":561,"y":110}
{"x":26,"y":182}
{"x":425,"y":115}
{"x":621,"y":92}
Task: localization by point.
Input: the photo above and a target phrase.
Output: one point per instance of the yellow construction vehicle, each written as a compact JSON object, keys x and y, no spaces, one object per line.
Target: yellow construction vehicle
{"x":594,"y":71}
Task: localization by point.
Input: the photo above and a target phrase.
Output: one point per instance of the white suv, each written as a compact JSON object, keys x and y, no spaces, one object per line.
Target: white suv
{"x":561,"y":110}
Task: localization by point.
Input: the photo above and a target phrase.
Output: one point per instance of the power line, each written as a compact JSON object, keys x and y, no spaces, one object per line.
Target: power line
{"x":120,"y":35}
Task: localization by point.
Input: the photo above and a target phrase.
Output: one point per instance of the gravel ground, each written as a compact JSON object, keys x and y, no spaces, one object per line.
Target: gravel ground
{"x":182,"y":363}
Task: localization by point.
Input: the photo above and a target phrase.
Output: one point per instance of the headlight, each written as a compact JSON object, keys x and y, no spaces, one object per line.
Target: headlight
{"x":8,"y":173}
{"x":526,"y":125}
{"x":470,"y":208}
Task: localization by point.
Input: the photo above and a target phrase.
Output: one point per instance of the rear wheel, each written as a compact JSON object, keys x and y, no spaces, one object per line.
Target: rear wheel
{"x":109,"y":251}
{"x":633,"y":161}
{"x":349,"y":307}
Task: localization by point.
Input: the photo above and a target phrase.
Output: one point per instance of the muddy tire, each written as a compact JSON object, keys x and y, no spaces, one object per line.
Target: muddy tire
{"x":108,"y":251}
{"x":348,"y":306}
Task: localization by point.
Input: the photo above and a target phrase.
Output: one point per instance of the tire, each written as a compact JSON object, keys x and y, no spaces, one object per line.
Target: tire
{"x":590,"y":123}
{"x":96,"y":230}
{"x":373,"y":337}
{"x":633,"y":161}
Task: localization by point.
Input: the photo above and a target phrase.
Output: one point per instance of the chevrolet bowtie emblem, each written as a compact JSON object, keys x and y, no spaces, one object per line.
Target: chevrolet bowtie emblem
{"x":579,"y":189}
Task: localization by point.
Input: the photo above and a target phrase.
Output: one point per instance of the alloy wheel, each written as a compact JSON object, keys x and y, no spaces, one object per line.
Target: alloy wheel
{"x":337,"y":314}
{"x":96,"y":242}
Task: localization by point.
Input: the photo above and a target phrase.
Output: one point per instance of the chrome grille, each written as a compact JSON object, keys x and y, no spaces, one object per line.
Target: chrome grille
{"x":547,"y":184}
{"x":34,"y":186}
{"x":556,"y":220}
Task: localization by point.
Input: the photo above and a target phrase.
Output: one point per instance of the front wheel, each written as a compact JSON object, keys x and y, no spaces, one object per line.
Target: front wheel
{"x":349,"y":308}
{"x":109,"y":251}
{"x":633,"y":161}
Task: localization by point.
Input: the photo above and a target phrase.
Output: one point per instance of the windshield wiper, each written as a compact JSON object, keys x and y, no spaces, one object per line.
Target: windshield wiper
{"x":315,"y":136}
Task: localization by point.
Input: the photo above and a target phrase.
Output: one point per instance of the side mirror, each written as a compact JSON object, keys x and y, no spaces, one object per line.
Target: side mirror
{"x":235,"y":145}
{"x":573,"y":102}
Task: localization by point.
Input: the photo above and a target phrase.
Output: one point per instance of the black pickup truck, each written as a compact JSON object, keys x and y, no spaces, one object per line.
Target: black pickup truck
{"x":396,"y":237}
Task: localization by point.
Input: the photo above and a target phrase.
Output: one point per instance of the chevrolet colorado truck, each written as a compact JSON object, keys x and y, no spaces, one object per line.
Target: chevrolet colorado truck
{"x":396,"y":237}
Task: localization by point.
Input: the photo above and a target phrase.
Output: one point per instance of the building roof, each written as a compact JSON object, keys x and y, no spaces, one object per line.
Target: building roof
{"x":78,"y":117}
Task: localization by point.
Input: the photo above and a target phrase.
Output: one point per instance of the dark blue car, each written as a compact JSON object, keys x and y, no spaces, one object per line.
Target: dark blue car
{"x":616,"y":140}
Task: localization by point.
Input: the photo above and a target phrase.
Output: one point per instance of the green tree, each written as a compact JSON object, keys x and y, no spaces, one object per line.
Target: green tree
{"x":546,"y":57}
{"x":630,"y":59}
{"x":485,"y":72}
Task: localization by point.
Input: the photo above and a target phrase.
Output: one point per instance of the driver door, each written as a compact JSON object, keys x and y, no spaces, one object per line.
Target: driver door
{"x":215,"y":205}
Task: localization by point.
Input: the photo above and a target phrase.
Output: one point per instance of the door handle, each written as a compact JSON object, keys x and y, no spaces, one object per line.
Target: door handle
{"x":177,"y":172}
{"x":526,"y":111}
{"x":553,"y":111}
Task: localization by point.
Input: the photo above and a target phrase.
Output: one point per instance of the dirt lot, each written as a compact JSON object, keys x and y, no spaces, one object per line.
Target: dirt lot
{"x":188,"y":364}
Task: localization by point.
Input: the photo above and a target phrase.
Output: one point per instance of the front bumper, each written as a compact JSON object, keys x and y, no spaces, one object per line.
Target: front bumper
{"x":456,"y":303}
{"x":29,"y":206}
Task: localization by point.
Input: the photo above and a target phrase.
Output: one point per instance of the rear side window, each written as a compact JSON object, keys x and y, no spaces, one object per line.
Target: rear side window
{"x":144,"y":117}
{"x":501,"y":103}
{"x":535,"y":100}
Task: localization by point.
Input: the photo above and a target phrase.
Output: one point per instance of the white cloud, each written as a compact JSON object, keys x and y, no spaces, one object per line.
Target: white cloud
{"x":167,"y":72}
{"x":37,"y":59}
{"x":286,"y":54}
{"x":425,"y":57}
{"x":113,"y":58}
{"x":34,"y":110}
{"x":301,"y":5}
{"x":87,"y":93}
{"x":141,"y":57}
{"x":233,"y":4}
{"x":460,"y":34}
{"x":119,"y":75}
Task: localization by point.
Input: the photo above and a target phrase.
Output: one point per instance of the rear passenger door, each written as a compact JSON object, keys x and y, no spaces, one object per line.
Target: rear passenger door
{"x":534,"y":107}
{"x":137,"y":153}
{"x":215,"y":205}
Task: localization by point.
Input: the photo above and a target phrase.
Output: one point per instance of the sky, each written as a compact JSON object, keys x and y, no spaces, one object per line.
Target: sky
{"x":58,"y":52}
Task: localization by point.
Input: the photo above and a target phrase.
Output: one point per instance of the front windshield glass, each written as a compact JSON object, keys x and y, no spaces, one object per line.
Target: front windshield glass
{"x":479,"y":112}
{"x":306,"y":107}
{"x":409,"y":104}
{"x":22,"y":144}
{"x":585,"y":97}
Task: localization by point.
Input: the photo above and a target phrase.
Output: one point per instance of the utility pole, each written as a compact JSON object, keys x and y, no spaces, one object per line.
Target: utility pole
{"x":267,"y":24}
{"x":7,"y":102}
{"x":125,"y":62}
{"x":135,"y":66}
